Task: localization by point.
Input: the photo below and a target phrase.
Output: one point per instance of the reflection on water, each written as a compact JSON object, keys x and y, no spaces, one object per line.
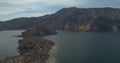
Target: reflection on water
{"x":87,"y":47}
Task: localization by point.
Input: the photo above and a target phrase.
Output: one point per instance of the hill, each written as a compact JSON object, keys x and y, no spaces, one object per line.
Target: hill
{"x":75,"y":19}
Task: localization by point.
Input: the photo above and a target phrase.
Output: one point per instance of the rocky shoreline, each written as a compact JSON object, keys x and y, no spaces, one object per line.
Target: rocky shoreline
{"x":32,"y":49}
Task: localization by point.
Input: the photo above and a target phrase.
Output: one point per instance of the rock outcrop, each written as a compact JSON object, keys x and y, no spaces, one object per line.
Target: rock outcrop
{"x":100,"y":24}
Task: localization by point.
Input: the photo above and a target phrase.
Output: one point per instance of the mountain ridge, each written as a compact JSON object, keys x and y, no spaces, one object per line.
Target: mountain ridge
{"x":72,"y":18}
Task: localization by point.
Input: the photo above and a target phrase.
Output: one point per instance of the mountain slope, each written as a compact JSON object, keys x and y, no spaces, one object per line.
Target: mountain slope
{"x":38,"y":31}
{"x":76,"y":19}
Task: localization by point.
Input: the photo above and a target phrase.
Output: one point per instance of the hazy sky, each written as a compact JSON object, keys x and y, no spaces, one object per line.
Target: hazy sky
{"x":26,"y":8}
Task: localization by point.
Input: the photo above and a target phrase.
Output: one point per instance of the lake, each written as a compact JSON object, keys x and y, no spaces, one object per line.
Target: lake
{"x":8,"y":43}
{"x":72,"y":47}
{"x":86,"y":47}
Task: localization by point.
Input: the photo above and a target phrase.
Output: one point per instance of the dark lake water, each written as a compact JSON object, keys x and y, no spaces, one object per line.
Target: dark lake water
{"x":72,"y":47}
{"x":8,"y":43}
{"x":86,"y":47}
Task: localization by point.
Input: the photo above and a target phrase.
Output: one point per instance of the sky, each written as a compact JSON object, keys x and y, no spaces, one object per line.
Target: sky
{"x":10,"y":9}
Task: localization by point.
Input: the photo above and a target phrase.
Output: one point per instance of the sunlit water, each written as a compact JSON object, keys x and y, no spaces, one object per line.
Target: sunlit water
{"x":8,"y":43}
{"x":86,"y":47}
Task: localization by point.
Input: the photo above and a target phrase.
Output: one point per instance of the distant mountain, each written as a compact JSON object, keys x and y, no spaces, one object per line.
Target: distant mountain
{"x":75,"y":19}
{"x":18,"y":23}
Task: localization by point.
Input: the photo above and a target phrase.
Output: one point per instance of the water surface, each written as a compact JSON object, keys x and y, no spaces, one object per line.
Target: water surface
{"x":8,"y":43}
{"x":87,"y":47}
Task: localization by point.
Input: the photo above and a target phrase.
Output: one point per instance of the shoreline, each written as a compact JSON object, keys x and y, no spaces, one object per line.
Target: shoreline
{"x":37,"y":55}
{"x":52,"y":57}
{"x":32,"y":48}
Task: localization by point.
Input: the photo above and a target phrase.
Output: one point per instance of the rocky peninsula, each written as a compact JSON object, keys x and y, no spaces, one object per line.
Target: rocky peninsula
{"x":32,"y":48}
